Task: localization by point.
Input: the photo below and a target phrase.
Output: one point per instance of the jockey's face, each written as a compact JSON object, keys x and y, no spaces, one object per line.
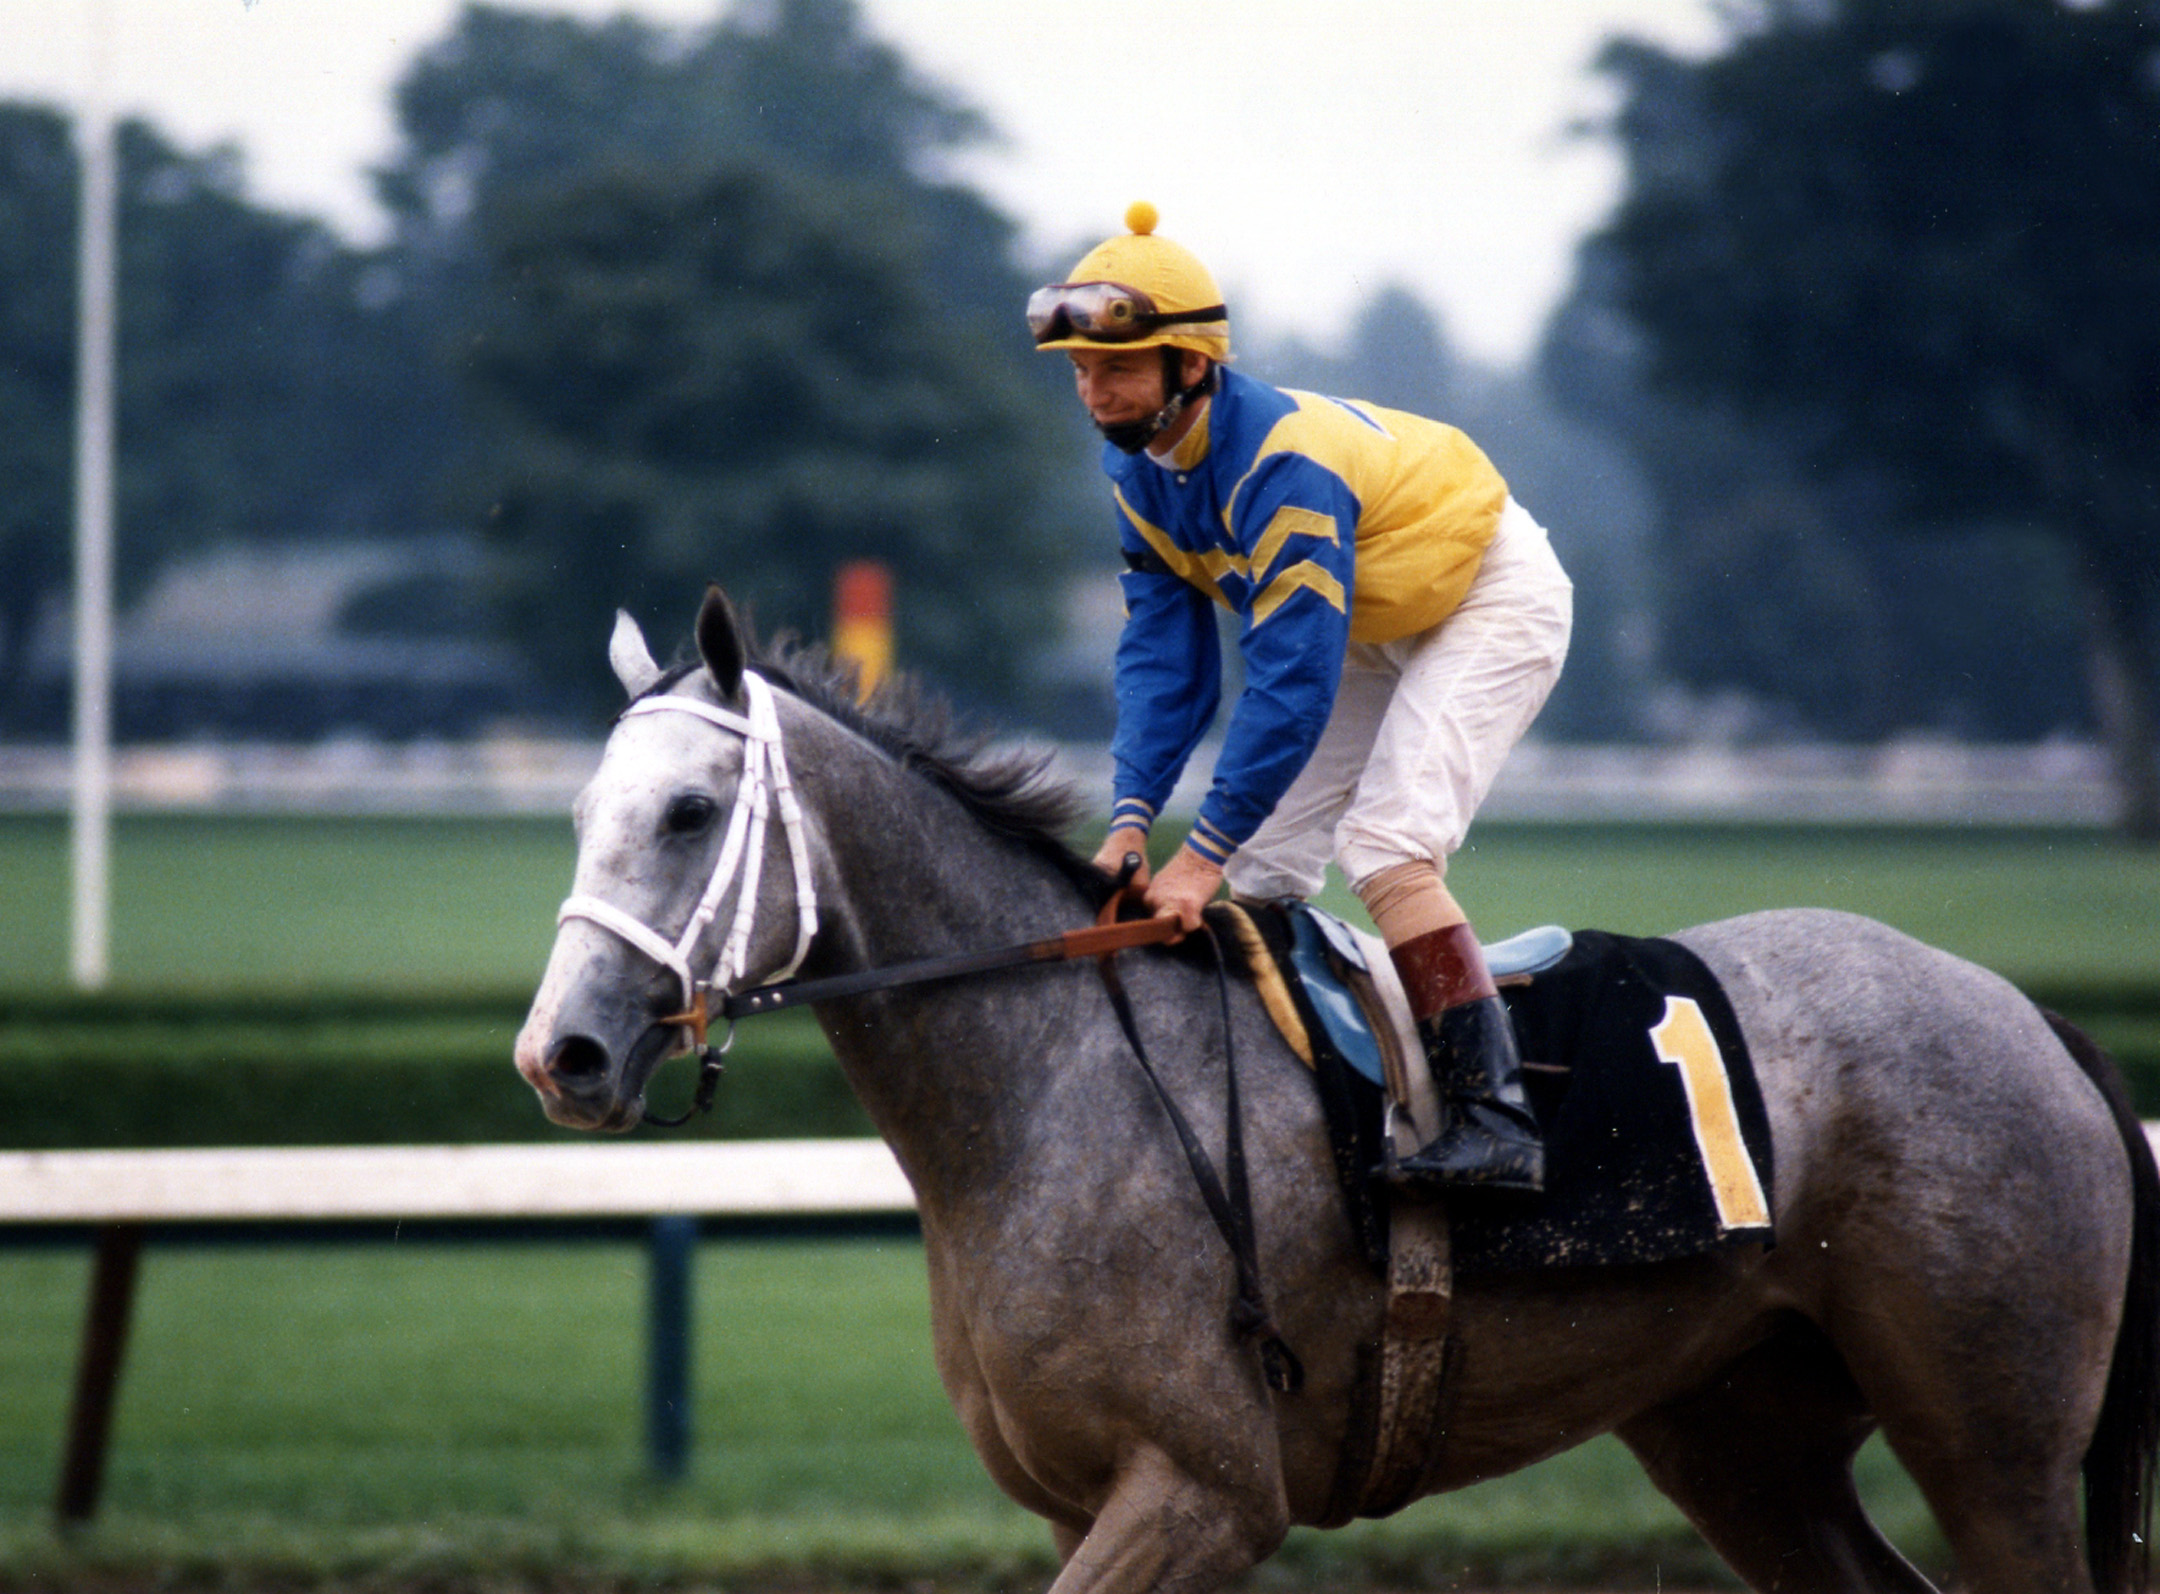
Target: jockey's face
{"x":1119,"y":386}
{"x":1122,"y":387}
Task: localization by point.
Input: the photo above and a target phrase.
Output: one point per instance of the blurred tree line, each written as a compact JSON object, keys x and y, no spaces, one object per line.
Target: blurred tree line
{"x":1847,"y":429}
{"x":263,"y":389}
{"x":659,"y":306}
{"x":715,"y":314}
{"x":1880,"y":313}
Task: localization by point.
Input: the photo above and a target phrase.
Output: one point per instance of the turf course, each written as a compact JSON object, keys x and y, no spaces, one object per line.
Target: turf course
{"x":461,"y":904}
{"x":298,"y":1415}
{"x":225,"y":904}
{"x":293,"y":1415}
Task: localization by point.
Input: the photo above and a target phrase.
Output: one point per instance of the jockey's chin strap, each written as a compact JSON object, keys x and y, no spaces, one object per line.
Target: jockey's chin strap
{"x":765,"y":785}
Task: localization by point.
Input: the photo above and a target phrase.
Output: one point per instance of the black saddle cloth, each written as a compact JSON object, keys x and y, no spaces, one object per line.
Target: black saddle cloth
{"x":1647,"y":1159}
{"x":1657,"y":1147}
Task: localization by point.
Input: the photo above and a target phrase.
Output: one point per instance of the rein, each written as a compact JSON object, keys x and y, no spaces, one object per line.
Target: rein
{"x":1096,"y":941}
{"x":1228,"y":1196}
{"x":1231,"y":1207}
{"x":765,"y":785}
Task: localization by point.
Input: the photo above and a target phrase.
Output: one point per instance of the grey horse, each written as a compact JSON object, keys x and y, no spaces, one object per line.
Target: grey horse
{"x":1967,"y":1253}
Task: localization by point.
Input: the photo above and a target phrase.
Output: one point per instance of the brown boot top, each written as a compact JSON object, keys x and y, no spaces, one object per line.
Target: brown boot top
{"x":1442,"y":969}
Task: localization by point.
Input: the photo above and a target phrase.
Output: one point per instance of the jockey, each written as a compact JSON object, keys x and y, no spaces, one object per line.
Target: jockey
{"x":1400,"y":619}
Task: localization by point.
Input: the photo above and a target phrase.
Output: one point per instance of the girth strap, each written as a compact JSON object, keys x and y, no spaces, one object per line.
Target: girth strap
{"x":1231,"y":1208}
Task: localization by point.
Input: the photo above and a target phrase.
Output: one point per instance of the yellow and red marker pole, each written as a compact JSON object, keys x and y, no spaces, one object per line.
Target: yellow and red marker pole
{"x":862,"y":621}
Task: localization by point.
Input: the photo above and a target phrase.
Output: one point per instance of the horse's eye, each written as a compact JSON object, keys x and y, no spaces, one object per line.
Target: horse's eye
{"x":689,"y":814}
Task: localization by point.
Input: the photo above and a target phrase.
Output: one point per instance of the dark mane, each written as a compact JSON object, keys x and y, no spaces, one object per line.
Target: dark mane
{"x":1007,"y":788}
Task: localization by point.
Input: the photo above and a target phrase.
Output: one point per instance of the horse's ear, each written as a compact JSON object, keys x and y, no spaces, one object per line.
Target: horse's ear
{"x":720,"y":641}
{"x":632,"y":659}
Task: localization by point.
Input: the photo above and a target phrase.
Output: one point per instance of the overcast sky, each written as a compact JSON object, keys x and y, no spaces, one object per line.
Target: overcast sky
{"x":1312,"y":151}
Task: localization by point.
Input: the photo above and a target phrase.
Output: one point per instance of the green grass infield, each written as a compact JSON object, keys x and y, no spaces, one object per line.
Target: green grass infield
{"x":422,"y":908}
{"x":438,"y":1416}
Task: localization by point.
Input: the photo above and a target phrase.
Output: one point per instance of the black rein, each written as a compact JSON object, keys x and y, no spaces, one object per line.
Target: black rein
{"x":1231,"y":1208}
{"x":1228,"y":1195}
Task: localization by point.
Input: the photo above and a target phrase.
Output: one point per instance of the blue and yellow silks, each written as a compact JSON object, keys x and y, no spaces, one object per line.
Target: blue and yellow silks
{"x":1318,"y":522}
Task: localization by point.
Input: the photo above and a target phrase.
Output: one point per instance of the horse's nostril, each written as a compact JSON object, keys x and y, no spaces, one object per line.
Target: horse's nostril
{"x":578,"y":1059}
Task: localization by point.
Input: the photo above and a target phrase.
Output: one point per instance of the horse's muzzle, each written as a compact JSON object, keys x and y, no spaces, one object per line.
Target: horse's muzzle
{"x":585,"y":1083}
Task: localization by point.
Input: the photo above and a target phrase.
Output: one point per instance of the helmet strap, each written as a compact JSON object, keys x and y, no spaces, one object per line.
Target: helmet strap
{"x":1130,"y":437}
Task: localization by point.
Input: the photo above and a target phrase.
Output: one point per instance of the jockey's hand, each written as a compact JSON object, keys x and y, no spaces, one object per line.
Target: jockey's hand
{"x":1186,"y":885}
{"x":1122,"y":843}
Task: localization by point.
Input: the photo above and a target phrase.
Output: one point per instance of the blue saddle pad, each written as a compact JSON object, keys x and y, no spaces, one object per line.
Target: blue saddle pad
{"x":1317,"y":940}
{"x":1322,"y":945}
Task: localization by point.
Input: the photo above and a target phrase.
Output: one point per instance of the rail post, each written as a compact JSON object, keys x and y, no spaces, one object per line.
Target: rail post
{"x":97,"y":1374}
{"x":672,"y":1246}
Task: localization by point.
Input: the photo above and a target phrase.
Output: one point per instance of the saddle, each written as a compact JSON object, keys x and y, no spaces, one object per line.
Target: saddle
{"x":1657,"y":1143}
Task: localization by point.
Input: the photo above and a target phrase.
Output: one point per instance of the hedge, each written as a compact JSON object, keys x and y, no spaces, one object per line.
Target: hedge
{"x":351,"y":1072}
{"x":196,"y":1071}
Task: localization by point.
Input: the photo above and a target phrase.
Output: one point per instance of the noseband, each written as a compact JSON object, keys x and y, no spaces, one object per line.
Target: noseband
{"x":765,"y":784}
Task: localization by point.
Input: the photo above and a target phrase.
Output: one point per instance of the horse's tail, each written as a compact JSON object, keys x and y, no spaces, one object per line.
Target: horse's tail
{"x":2119,"y":1463}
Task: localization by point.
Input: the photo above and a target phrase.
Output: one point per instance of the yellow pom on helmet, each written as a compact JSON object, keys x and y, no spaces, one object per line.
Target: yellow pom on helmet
{"x":1134,"y":291}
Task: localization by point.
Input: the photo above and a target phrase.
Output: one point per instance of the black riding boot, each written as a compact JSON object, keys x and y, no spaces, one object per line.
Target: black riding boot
{"x":1488,"y":1136}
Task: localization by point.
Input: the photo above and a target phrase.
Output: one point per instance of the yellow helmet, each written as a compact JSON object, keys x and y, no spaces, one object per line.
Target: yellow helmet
{"x":1136,"y":291}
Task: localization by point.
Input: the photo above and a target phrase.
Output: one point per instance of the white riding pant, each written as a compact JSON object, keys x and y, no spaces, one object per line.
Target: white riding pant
{"x":1420,"y":727}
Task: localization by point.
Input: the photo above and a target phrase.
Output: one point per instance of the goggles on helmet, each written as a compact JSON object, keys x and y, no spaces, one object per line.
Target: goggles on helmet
{"x":1106,"y":312}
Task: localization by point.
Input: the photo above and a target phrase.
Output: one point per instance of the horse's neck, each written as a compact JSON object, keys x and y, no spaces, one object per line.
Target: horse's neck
{"x":950,"y":1068}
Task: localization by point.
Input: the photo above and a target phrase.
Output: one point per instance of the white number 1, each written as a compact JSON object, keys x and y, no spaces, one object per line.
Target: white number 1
{"x":1683,"y":1039}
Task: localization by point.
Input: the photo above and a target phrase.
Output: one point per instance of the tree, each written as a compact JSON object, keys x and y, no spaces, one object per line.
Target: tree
{"x":1922,"y":239}
{"x":1780,"y":604}
{"x":718,"y":316}
{"x":512,"y":99}
{"x":267,"y":390}
{"x":740,"y":376}
{"x":37,"y":374}
{"x":262,"y":392}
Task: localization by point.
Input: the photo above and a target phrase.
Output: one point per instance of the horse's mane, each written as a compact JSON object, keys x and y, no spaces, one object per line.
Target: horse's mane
{"x":1007,"y":788}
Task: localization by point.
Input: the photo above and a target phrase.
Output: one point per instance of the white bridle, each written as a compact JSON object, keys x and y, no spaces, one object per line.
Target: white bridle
{"x":764,"y":784}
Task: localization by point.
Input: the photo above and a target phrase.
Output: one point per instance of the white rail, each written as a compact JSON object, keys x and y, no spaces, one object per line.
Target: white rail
{"x":122,"y":1194}
{"x":332,"y":1183}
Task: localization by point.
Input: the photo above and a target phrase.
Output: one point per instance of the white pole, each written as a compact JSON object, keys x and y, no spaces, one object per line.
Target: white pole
{"x":92,"y":815}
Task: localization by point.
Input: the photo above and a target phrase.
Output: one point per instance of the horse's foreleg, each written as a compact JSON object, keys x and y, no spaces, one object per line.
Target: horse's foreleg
{"x":1162,"y":1528}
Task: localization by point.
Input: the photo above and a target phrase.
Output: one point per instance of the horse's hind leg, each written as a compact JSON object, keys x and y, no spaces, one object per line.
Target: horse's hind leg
{"x":1160,"y":1529}
{"x":1760,"y":1460}
{"x":1989,"y":1405}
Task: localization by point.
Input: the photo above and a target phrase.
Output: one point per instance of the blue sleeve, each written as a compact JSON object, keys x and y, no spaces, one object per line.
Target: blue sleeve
{"x":1298,"y":521}
{"x":1168,"y":682}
